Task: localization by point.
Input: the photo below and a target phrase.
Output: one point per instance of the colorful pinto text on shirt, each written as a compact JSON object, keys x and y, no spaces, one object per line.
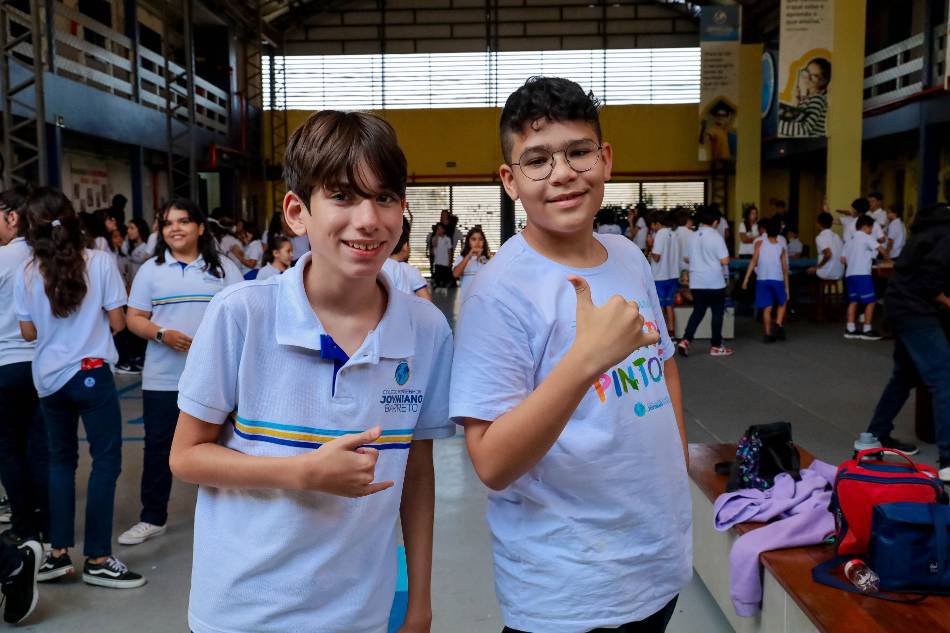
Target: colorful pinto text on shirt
{"x":639,"y":373}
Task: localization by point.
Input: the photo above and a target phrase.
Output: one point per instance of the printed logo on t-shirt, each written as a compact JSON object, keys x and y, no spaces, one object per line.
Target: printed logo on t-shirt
{"x":402,"y":373}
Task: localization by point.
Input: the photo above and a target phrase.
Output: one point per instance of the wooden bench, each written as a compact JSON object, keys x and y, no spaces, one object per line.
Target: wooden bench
{"x":791,"y":601}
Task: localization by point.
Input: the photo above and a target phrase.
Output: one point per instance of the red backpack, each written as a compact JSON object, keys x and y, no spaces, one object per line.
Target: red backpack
{"x":863,"y":483}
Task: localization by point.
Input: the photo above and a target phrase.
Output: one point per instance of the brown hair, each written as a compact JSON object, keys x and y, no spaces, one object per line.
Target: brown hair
{"x":335,"y":150}
{"x":14,"y":200}
{"x":55,"y":234}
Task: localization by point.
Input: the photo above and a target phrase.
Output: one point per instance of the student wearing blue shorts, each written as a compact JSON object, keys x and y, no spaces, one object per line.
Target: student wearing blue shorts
{"x":576,"y":425}
{"x":308,"y":405}
{"x":665,"y":261}
{"x":770,"y":263}
{"x":857,"y":256}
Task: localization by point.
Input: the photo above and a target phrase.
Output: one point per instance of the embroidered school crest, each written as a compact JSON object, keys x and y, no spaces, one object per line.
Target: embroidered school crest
{"x":402,"y":373}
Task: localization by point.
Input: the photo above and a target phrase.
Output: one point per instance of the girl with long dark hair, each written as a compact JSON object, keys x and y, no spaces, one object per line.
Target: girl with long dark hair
{"x":475,"y":254}
{"x":278,"y":257}
{"x":69,"y":299}
{"x":166,"y":305}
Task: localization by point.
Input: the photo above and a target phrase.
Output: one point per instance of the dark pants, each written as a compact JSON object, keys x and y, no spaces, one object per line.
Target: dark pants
{"x":704,"y":299}
{"x":442,"y":276}
{"x":24,"y":458}
{"x":92,"y":395}
{"x":656,"y":623}
{"x":10,"y":559}
{"x":160,"y":412}
{"x":131,"y":348}
{"x":920,"y":355}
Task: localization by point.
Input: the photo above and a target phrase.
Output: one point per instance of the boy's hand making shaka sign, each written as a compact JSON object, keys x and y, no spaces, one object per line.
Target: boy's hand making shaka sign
{"x":345,"y":466}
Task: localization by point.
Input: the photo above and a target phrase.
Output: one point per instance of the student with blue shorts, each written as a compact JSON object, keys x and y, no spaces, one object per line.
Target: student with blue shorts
{"x":858,"y":256}
{"x":665,"y":261}
{"x":770,"y":263}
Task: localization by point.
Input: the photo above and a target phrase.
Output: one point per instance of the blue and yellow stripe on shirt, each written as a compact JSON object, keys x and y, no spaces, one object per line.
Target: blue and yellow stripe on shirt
{"x":310,"y":437}
{"x":164,"y":301}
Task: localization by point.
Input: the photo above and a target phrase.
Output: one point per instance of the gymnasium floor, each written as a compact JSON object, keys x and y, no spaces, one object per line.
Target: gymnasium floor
{"x":825,"y":385}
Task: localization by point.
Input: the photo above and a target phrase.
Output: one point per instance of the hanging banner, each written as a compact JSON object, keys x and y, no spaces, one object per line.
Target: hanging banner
{"x":719,"y":42}
{"x":804,"y":67}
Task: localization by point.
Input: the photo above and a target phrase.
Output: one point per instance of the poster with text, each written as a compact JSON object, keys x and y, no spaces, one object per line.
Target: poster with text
{"x":804,"y":67}
{"x":719,"y":82}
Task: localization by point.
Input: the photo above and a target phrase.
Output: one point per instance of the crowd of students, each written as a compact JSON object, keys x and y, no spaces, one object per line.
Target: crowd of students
{"x":577,"y":427}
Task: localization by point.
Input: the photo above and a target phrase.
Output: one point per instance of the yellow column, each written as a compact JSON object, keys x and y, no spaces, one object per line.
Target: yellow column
{"x":845,"y":104}
{"x":749,"y":130}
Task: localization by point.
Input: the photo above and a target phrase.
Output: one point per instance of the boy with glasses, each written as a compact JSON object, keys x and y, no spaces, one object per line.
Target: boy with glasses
{"x":577,"y":427}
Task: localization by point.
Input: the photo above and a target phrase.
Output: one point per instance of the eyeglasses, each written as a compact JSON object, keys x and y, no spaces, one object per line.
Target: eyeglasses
{"x":538,"y":164}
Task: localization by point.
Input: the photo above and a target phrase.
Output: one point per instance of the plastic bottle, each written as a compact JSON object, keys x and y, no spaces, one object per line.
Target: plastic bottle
{"x":862,"y":576}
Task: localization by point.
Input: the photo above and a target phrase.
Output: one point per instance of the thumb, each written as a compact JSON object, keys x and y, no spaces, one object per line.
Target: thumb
{"x":355,"y":440}
{"x":582,"y":290}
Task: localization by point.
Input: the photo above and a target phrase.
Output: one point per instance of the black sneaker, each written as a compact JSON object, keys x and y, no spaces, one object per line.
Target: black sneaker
{"x":870,"y":335}
{"x":55,"y":567}
{"x":128,"y":369}
{"x":19,"y":592}
{"x":897,"y":445}
{"x":780,"y":333}
{"x":111,"y":573}
{"x":852,"y":334}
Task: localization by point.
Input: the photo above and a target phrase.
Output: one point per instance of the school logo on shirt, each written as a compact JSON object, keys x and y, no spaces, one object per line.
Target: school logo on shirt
{"x":402,"y":373}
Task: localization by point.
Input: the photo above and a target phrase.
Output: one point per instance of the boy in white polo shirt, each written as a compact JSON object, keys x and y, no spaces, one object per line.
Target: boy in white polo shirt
{"x":307,"y":400}
{"x":857,"y":256}
{"x":665,"y":263}
{"x":577,"y":425}
{"x":829,"y":247}
{"x":169,"y":296}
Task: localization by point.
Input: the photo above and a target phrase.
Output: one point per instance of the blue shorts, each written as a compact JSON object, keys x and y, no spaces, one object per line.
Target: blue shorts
{"x":769,"y":292}
{"x":860,"y":289}
{"x":666,"y":290}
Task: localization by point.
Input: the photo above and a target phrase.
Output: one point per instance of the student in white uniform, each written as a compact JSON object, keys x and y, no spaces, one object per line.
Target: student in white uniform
{"x":136,"y":247}
{"x":748,"y":231}
{"x":829,"y":247}
{"x":403,"y":275}
{"x":278,"y":258}
{"x":858,"y":256}
{"x":253,"y":249}
{"x":301,"y":475}
{"x":665,"y":261}
{"x":859,"y":207}
{"x":896,"y":234}
{"x":565,"y":381}
{"x":441,"y":249}
{"x":70,"y":300}
{"x":876,"y":209}
{"x":168,"y":300}
{"x":770,"y":263}
{"x":24,"y":457}
{"x":637,"y":227}
{"x":795,"y":246}
{"x":474,"y":256}
{"x":706,"y":257}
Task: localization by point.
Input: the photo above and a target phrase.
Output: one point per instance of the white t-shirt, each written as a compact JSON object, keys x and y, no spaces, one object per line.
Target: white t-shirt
{"x":403,"y":276}
{"x":667,"y":247}
{"x":62,"y":343}
{"x":897,"y":232}
{"x":152,"y":243}
{"x":254,"y":250}
{"x":13,"y":347}
{"x":641,"y":238}
{"x":795,"y":247}
{"x":833,"y":268}
{"x":748,"y":249}
{"x":684,"y":236}
{"x":706,"y":250}
{"x":860,"y":251}
{"x":598,"y":532}
{"x":609,"y":229}
{"x":441,"y":250}
{"x":225,"y":244}
{"x":880,"y":217}
{"x":138,"y":256}
{"x":769,"y":265}
{"x":274,"y":561}
{"x":850,"y":229}
{"x":471,"y":269}
{"x":267,"y":272}
{"x":177,"y":296}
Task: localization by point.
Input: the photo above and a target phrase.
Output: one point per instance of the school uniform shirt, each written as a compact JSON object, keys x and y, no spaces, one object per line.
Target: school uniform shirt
{"x":833,"y":268}
{"x":274,"y":561}
{"x":267,"y":272}
{"x":897,"y":232}
{"x":850,"y":229}
{"x":404,"y":277}
{"x":748,"y":249}
{"x":136,"y":257}
{"x":859,"y":253}
{"x":795,"y":247}
{"x":443,"y":247}
{"x":177,"y":295}
{"x":254,"y":250}
{"x":706,"y":250}
{"x":769,"y":265}
{"x":62,"y":343}
{"x":609,"y":229}
{"x":598,"y":532}
{"x":666,"y":246}
{"x":225,"y":244}
{"x":641,"y":238}
{"x":152,"y":243}
{"x":13,"y":347}
{"x":880,"y":217}
{"x":471,"y":269}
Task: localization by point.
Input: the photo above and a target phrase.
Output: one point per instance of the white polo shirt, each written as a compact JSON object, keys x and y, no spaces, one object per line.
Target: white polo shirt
{"x":897,"y":232}
{"x":62,"y":343}
{"x":254,"y":250}
{"x":706,"y":250}
{"x":833,"y":268}
{"x":13,"y":347}
{"x":274,"y":561}
{"x":859,"y":253}
{"x":404,"y":276}
{"x":177,"y":295}
{"x":667,"y":247}
{"x":267,"y":272}
{"x":471,"y":269}
{"x":598,"y":532}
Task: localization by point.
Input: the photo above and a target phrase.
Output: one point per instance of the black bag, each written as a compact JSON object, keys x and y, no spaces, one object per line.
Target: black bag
{"x":764,"y":451}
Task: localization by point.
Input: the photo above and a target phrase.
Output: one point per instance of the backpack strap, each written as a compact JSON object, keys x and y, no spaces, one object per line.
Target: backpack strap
{"x":821,"y":573}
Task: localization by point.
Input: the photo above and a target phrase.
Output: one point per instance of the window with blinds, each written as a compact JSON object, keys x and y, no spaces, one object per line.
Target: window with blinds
{"x":481,"y":205}
{"x":484,"y":79}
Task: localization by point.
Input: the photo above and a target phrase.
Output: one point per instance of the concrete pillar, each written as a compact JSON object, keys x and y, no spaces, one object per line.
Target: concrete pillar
{"x":748,"y":182}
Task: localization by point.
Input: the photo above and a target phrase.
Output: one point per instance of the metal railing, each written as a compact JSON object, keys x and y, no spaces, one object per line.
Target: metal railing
{"x":92,"y":53}
{"x":896,"y":72}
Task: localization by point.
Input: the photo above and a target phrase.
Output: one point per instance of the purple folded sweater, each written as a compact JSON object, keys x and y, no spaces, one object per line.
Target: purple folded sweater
{"x":801,"y":517}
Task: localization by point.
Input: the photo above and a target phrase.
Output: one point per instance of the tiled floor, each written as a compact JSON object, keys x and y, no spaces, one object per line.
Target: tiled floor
{"x":826,"y":386}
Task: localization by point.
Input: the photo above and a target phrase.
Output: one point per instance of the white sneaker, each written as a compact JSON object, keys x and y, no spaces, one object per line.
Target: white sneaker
{"x":140,"y":532}
{"x":865,"y":441}
{"x":944,"y":474}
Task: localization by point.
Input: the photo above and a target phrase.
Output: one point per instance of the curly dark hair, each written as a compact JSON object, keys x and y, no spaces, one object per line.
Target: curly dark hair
{"x":56,"y":237}
{"x":546,"y":98}
{"x":206,"y":246}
